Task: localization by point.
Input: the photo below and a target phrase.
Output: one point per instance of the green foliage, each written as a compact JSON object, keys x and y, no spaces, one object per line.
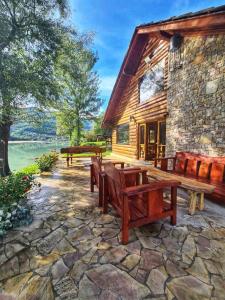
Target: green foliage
{"x":13,"y":188}
{"x":29,"y":170}
{"x":97,"y":131}
{"x":32,"y":40}
{"x":46,"y":161}
{"x":100,"y":143}
{"x":80,"y":84}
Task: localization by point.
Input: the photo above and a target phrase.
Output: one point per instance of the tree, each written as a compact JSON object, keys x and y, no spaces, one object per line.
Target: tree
{"x":80,"y":85}
{"x":98,"y":129}
{"x":65,"y":123}
{"x":31,"y":36}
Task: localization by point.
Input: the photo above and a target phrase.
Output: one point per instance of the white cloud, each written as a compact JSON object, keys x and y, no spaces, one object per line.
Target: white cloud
{"x":107,"y":84}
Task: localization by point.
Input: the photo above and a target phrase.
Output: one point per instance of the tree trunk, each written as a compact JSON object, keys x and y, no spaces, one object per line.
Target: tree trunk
{"x":78,"y":131}
{"x":4,"y":161}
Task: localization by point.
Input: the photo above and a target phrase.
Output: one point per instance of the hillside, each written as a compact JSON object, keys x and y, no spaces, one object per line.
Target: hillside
{"x":25,"y":131}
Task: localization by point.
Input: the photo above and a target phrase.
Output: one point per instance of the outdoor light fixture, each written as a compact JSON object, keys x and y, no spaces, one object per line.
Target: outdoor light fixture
{"x":176,"y":54}
{"x":132,"y":119}
{"x":147,"y":59}
{"x":175,"y":42}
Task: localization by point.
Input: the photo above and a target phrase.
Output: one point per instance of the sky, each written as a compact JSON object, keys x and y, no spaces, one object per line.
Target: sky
{"x":113,"y":23}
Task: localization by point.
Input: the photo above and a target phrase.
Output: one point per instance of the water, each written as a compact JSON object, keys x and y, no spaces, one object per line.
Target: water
{"x":22,"y":154}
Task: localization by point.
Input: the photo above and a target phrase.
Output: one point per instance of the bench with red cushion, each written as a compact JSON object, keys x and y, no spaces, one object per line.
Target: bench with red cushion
{"x":200,"y":167}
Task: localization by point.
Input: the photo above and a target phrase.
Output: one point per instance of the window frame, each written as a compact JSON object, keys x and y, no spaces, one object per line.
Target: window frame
{"x":117,"y":134}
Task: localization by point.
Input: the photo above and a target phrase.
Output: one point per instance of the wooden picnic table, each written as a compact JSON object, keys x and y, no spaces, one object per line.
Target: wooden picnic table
{"x":194,"y":187}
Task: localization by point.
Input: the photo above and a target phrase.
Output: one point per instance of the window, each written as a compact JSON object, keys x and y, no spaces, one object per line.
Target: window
{"x":142,"y":134}
{"x":152,"y":82}
{"x":123,"y":134}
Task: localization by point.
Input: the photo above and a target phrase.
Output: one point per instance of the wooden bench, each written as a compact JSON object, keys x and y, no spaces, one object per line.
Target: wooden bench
{"x":90,"y":150}
{"x":202,"y":168}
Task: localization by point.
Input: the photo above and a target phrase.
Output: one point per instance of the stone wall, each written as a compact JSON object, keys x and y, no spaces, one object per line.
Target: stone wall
{"x":196,"y":97}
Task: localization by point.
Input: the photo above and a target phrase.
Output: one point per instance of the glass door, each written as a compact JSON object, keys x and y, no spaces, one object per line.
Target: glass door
{"x":152,"y":130}
{"x":142,"y":141}
{"x":152,"y":140}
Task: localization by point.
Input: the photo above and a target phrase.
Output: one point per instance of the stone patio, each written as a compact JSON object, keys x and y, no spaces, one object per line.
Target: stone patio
{"x":72,"y":251}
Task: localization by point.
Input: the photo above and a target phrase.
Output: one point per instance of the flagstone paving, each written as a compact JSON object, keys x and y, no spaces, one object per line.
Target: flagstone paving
{"x":72,"y":251}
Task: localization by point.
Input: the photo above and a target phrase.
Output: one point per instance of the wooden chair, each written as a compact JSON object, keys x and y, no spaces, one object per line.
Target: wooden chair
{"x":97,"y":175}
{"x":140,"y":204}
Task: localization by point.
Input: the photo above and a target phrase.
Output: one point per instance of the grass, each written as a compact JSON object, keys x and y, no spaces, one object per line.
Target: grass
{"x":30,"y":170}
{"x":100,"y":143}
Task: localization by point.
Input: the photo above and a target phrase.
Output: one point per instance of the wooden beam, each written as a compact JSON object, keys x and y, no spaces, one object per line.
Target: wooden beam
{"x":199,"y":22}
{"x":164,"y":35}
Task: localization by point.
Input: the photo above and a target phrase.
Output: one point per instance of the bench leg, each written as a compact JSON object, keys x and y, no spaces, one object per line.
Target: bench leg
{"x":125,"y":224}
{"x":193,"y":202}
{"x":91,"y":179}
{"x":100,"y":191}
{"x":67,"y":161}
{"x":201,"y":201}
{"x":173,"y":219}
{"x":105,"y":196}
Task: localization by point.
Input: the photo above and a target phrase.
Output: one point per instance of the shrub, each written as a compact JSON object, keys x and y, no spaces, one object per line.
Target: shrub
{"x":46,"y":161}
{"x":14,"y":210}
{"x":13,"y":188}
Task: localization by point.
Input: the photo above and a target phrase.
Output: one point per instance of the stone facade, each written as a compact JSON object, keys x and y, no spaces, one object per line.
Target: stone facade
{"x":196,"y":97}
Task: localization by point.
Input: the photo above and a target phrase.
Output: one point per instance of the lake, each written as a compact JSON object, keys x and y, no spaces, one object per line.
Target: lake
{"x":22,"y":154}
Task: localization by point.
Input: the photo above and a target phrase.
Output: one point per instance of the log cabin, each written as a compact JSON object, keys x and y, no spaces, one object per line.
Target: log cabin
{"x":169,"y":95}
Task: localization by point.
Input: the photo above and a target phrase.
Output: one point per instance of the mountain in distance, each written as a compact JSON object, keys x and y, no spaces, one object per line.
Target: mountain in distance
{"x":46,"y":130}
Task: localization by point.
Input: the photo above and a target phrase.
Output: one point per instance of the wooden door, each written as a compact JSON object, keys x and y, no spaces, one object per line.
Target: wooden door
{"x":152,"y":135}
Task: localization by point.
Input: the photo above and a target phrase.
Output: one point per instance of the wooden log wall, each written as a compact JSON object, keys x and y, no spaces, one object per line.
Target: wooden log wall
{"x":151,"y":110}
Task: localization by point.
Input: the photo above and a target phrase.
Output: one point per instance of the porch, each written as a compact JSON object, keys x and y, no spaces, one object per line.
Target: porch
{"x":72,"y":251}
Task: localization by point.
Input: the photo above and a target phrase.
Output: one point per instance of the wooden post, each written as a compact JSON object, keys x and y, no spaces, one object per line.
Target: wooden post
{"x":201,"y":201}
{"x":193,"y":202}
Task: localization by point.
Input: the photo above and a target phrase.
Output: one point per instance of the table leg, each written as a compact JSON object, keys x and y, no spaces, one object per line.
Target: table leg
{"x":201,"y":201}
{"x":193,"y":202}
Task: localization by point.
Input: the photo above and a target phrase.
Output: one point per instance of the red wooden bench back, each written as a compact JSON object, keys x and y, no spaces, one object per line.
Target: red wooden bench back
{"x":181,"y":162}
{"x":202,"y":166}
{"x":204,"y":169}
{"x":217,"y":172}
{"x":192,"y":167}
{"x":82,"y":149}
{"x":115,"y":184}
{"x":96,"y":164}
